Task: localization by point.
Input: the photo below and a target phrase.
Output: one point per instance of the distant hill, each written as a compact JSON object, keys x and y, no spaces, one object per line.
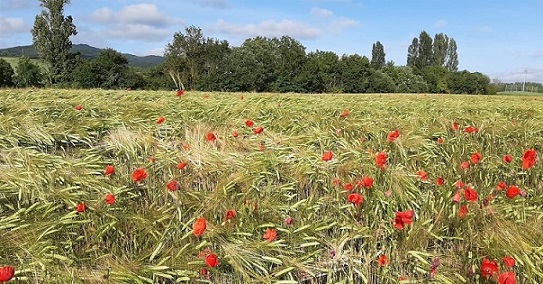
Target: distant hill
{"x":86,"y":51}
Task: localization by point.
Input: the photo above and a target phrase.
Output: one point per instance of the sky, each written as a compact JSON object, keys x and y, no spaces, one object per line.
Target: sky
{"x":501,"y":38}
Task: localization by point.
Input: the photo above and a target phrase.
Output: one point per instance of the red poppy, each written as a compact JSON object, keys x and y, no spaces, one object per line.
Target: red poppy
{"x":180,"y":92}
{"x":139,"y":174}
{"x":327,"y":156}
{"x":212,"y":260}
{"x":476,"y":157}
{"x":235,"y":134}
{"x":230,"y":214}
{"x":528,"y":159}
{"x":440,"y":181}
{"x":173,"y":185}
{"x":381,"y":159}
{"x":204,"y":272}
{"x":81,"y":207}
{"x":455,"y":126}
{"x":160,"y":120}
{"x":355,"y":199}
{"x":507,"y":278}
{"x":459,"y":184}
{"x":393,"y":135}
{"x":464,"y":165}
{"x":6,"y":273}
{"x":463,"y":211}
{"x":199,"y":226}
{"x":182,"y":165}
{"x":440,"y":140}
{"x":382,"y":260}
{"x":249,"y":123}
{"x":345,"y":113}
{"x":470,"y":194}
{"x":366,"y":182}
{"x":489,"y":268}
{"x":507,"y":158}
{"x":109,"y":170}
{"x":336,"y":182}
{"x":457,"y":196}
{"x":211,"y":137}
{"x":509,"y":261}
{"x":435,"y":265}
{"x":288,"y":220}
{"x":348,"y":186}
{"x":258,"y":130}
{"x":501,"y":185}
{"x":261,"y":147}
{"x":403,"y":219}
{"x":79,"y":107}
{"x":512,"y":191}
{"x":186,"y":147}
{"x":110,"y":199}
{"x":270,"y":235}
{"x":470,"y":129}
{"x":152,"y":159}
{"x":422,"y":175}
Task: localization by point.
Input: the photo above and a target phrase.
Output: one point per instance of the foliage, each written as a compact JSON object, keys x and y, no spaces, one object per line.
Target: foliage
{"x":28,"y":74}
{"x":378,"y":55}
{"x":6,"y":74}
{"x":55,"y":148}
{"x":109,"y":71}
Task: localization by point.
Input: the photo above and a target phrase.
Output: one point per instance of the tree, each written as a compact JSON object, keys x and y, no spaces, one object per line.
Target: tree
{"x":425,"y":52}
{"x":292,"y":58}
{"x":440,"y":49}
{"x":451,"y":57}
{"x":51,"y":36}
{"x":6,"y":73}
{"x":321,"y":73}
{"x":109,"y":70}
{"x":413,"y":53}
{"x":28,"y":73}
{"x":378,"y":55}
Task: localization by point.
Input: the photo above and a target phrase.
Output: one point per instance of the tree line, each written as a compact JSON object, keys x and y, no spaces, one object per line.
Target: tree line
{"x":260,"y":64}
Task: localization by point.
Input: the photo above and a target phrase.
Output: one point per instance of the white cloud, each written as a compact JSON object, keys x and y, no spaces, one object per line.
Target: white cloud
{"x":321,"y":13}
{"x":344,"y":23}
{"x":13,"y":26}
{"x":16,"y":4}
{"x":441,"y":24}
{"x":213,"y":3}
{"x":268,"y":28}
{"x":137,"y":32}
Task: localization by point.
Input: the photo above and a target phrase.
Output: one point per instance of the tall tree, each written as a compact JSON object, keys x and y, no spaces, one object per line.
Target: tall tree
{"x":51,"y":36}
{"x":413,"y":53}
{"x":440,"y":48}
{"x":425,"y":50}
{"x":451,"y":58}
{"x":6,"y":73}
{"x":378,"y":55}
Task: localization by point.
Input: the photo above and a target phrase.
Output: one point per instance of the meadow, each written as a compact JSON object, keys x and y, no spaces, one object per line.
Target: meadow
{"x":104,"y":186}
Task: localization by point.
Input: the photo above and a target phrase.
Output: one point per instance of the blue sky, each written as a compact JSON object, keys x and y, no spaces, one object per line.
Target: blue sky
{"x":499,"y":38}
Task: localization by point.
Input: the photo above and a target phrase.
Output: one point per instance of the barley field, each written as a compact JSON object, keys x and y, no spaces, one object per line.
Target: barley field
{"x":104,"y":186}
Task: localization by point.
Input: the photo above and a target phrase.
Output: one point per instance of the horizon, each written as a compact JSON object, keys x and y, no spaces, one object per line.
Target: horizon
{"x":497,"y":39}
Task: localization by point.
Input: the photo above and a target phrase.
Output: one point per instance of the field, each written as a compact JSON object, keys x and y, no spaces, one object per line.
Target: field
{"x":97,"y":187}
{"x":14,"y":61}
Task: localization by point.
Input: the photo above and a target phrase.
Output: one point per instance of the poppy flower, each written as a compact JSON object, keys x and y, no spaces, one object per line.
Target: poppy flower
{"x":403,"y":219}
{"x":501,"y":185}
{"x":270,"y":235}
{"x":457,"y":196}
{"x":211,"y":137}
{"x":160,"y":120}
{"x":422,"y":175}
{"x":261,"y":147}
{"x":381,"y":159}
{"x":476,"y":157}
{"x":173,"y":185}
{"x":336,"y":182}
{"x":235,"y":134}
{"x":180,"y":92}
{"x":470,"y":129}
{"x":470,"y":194}
{"x":507,"y":158}
{"x":366,"y":182}
{"x":345,"y":113}
{"x":110,"y":199}
{"x":204,"y":272}
{"x":258,"y":130}
{"x":288,"y":220}
{"x":249,"y":123}
{"x":528,"y":159}
{"x":327,"y":156}
{"x":393,"y":135}
{"x":230,"y":214}
{"x":382,"y":260}
{"x":152,"y":159}
{"x":433,"y":268}
{"x":512,"y":192}
{"x":509,"y":261}
{"x":355,"y":199}
{"x":459,"y":184}
{"x":455,"y":126}
{"x":489,"y":268}
{"x":79,"y":107}
{"x":81,"y":207}
{"x":440,"y":181}
{"x":508,"y":277}
{"x":464,"y":165}
{"x":109,"y":170}
{"x":182,"y":165}
{"x":139,"y":174}
{"x":348,"y":186}
{"x":186,"y":147}
{"x":199,"y":226}
{"x":463,"y":211}
{"x":6,"y":273}
{"x":440,"y":140}
{"x":212,"y":260}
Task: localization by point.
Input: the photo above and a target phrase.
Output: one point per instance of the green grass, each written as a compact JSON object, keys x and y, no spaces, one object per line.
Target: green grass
{"x":15,"y":60}
{"x":53,"y":157}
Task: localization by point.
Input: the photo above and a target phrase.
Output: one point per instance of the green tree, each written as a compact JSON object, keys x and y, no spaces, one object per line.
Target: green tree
{"x":413,"y":53}
{"x":292,"y":58}
{"x":425,"y":53}
{"x":440,"y":49}
{"x":28,"y":73}
{"x":6,"y":73}
{"x":51,"y":36}
{"x":451,"y":58}
{"x":356,"y":72}
{"x":321,"y":73}
{"x":183,"y":56}
{"x":378,"y":55}
{"x":109,"y":71}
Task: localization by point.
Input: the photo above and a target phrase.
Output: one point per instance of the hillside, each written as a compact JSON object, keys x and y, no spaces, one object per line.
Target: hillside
{"x":86,"y":51}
